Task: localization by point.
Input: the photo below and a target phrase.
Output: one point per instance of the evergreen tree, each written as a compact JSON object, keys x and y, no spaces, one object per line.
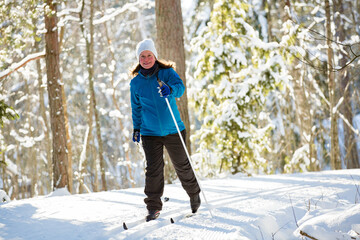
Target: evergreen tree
{"x":6,"y":112}
{"x":235,"y":71}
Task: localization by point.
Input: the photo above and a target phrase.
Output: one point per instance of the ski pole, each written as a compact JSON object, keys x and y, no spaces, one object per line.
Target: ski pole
{"x":186,"y":151}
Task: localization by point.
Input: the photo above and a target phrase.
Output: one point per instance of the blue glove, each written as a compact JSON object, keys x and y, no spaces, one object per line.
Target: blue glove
{"x":164,"y":90}
{"x":136,"y":135}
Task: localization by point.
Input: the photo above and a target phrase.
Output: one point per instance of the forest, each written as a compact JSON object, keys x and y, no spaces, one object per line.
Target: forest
{"x":272,"y":87}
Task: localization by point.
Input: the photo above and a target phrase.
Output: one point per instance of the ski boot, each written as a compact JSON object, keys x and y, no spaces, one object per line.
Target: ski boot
{"x":152,"y":215}
{"x":195,"y":203}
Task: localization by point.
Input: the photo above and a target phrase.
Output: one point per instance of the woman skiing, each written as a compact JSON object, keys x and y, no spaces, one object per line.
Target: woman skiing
{"x":153,"y":81}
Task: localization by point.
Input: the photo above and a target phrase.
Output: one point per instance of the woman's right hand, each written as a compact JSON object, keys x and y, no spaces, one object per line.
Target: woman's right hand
{"x":136,"y":135}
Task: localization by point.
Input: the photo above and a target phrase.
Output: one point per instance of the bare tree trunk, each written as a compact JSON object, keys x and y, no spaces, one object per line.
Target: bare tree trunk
{"x":91,"y":80}
{"x":303,"y":117}
{"x":67,"y":128}
{"x":60,"y":158}
{"x":31,"y":155}
{"x":42,"y":109}
{"x":15,"y":184}
{"x":314,"y":164}
{"x":86,"y":151}
{"x":170,"y":44}
{"x":95,"y":183}
{"x":126,"y":151}
{"x":47,"y":142}
{"x":351,"y":159}
{"x":334,"y":154}
{"x":90,"y":63}
{"x":83,"y":160}
{"x":3,"y":172}
{"x":68,"y":141}
{"x":289,"y":140}
{"x":19,"y":183}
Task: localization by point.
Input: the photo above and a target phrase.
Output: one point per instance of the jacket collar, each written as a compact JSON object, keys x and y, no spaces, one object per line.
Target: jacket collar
{"x":156,"y":70}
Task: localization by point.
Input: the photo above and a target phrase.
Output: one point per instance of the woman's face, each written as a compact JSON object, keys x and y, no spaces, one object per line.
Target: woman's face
{"x":147,"y":59}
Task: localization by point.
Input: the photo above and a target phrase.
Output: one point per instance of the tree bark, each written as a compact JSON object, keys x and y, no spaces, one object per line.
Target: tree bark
{"x":59,"y":155}
{"x":334,"y":154}
{"x":351,"y":158}
{"x":67,"y":128}
{"x":170,"y":45}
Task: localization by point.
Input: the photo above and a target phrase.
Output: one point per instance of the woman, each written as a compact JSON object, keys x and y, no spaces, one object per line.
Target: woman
{"x":153,"y":122}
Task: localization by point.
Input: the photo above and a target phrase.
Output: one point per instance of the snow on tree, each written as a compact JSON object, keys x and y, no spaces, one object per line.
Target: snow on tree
{"x":235,"y":71}
{"x":4,"y":197}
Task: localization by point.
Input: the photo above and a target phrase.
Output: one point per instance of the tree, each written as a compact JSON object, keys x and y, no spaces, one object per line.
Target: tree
{"x":334,"y":154}
{"x":90,"y":65}
{"x":170,"y":44}
{"x":302,"y":114}
{"x":298,"y":111}
{"x":235,"y":70}
{"x":6,"y":112}
{"x":351,"y":156}
{"x":59,"y":155}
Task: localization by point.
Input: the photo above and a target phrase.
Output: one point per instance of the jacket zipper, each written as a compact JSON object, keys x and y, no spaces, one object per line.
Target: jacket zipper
{"x":157,"y":109}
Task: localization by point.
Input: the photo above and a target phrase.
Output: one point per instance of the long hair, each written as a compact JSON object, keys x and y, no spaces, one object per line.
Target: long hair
{"x":162,"y":64}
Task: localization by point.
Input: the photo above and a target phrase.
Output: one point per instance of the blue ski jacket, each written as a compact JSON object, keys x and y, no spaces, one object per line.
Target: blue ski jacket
{"x":150,"y":112}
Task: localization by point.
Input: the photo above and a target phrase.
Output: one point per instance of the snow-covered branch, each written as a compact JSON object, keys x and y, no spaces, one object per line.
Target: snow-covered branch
{"x":134,"y":7}
{"x":64,"y":15}
{"x":23,"y":62}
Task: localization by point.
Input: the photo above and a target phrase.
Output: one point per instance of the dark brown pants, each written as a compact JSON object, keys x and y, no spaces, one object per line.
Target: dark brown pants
{"x":154,"y":176}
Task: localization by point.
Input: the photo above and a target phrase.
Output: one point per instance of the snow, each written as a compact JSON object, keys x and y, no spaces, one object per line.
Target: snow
{"x":318,"y":222}
{"x":324,"y":205}
{"x":4,"y":197}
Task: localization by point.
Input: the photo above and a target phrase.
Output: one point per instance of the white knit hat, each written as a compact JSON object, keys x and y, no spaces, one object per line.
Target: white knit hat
{"x":146,"y":44}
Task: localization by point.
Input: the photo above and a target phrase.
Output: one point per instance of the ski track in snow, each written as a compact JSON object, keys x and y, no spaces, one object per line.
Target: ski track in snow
{"x":259,"y":207}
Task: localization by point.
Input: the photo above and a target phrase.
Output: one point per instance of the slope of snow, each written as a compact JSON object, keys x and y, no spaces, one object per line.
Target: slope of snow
{"x":323,"y":205}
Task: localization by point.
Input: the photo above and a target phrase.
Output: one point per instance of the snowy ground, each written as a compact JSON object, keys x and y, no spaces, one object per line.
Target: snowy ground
{"x":323,"y":205}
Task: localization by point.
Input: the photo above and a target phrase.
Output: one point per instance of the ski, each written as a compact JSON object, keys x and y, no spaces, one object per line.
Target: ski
{"x":133,"y":224}
{"x":183,"y":216}
{"x":126,"y":226}
{"x":130,"y":225}
{"x":160,"y":220}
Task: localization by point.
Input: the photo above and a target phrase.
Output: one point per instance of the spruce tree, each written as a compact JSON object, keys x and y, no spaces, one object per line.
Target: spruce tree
{"x":234,"y":73}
